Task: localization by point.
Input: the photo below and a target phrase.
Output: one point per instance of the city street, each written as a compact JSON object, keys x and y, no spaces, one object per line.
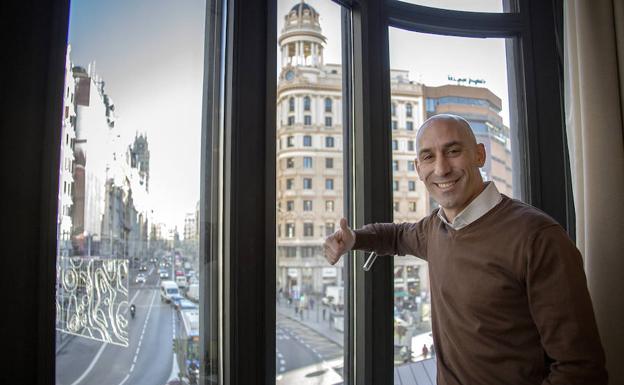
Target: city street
{"x":147,"y":360}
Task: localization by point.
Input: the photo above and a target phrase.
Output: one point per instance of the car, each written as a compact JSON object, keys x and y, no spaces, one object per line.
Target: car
{"x":140,"y":278}
{"x":185,"y":304}
{"x":142,"y":268}
{"x":164,"y":274}
{"x":175,"y":299}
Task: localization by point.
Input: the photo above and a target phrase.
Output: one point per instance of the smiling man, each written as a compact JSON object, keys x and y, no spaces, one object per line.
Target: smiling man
{"x":510,"y":303}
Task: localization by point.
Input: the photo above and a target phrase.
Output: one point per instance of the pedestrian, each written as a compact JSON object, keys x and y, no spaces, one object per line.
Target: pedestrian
{"x":432,"y":350}
{"x":505,"y":278}
{"x":324,"y":310}
{"x":425,"y":351}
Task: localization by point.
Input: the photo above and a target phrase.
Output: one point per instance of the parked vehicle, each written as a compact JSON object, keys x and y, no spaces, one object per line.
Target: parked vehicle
{"x":193,"y":292}
{"x":181,"y":281}
{"x":334,"y":297}
{"x":140,"y":278}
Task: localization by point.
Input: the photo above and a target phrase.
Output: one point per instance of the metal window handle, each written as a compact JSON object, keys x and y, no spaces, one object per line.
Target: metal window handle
{"x":369,"y":262}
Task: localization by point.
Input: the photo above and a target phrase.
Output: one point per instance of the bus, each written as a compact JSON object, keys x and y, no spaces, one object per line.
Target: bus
{"x":187,"y":344}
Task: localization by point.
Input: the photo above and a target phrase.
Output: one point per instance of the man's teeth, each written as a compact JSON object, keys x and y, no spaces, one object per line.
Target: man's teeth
{"x":445,"y":185}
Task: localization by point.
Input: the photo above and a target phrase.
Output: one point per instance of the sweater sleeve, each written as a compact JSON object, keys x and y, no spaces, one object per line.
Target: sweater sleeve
{"x":562,"y":310}
{"x":393,"y":238}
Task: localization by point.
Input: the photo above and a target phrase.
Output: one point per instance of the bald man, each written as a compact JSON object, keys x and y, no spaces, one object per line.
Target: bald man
{"x":510,"y":303}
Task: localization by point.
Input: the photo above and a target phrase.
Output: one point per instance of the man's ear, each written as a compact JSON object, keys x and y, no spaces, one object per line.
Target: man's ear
{"x":480,"y":154}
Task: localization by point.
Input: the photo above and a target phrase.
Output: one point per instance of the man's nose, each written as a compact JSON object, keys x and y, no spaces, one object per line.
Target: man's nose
{"x":442,"y":166}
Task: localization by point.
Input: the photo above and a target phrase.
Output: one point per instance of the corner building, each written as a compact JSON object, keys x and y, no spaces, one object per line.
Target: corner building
{"x":310,"y":157}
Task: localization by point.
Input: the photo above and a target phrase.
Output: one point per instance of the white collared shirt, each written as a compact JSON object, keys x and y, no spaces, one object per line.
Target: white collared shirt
{"x":484,"y":202}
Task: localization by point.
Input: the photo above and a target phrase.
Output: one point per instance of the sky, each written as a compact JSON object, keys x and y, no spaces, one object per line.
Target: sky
{"x":150,"y":54}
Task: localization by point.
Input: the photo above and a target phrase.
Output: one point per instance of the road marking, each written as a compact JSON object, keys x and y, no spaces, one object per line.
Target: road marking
{"x":86,"y":372}
{"x":125,"y":379}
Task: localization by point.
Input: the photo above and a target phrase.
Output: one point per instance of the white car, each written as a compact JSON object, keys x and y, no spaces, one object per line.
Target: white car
{"x":140,"y":278}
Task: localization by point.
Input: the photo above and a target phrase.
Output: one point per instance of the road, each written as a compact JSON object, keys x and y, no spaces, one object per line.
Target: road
{"x":146,"y":361}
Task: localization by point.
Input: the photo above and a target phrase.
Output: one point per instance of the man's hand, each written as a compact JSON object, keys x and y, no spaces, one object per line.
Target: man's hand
{"x":339,"y":242}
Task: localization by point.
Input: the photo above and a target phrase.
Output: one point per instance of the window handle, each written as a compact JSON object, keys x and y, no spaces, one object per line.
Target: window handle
{"x":369,"y":262}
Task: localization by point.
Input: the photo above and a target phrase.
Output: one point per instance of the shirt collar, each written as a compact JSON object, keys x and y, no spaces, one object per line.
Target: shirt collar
{"x":484,"y":202}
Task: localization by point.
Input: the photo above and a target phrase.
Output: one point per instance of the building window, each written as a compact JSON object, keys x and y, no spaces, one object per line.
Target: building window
{"x":395,"y":125}
{"x":307,"y":141}
{"x":291,"y":252}
{"x":411,"y":185}
{"x":395,"y":206}
{"x":329,"y":184}
{"x":307,"y":205}
{"x":395,"y":145}
{"x":306,"y":103}
{"x":291,"y":104}
{"x":290,"y":141}
{"x":393,"y":109}
{"x":395,"y":185}
{"x":408,"y":110}
{"x":307,"y":162}
{"x":290,"y":205}
{"x":329,"y":162}
{"x":308,"y":229}
{"x":329,"y":206}
{"x":395,"y":165}
{"x":291,"y":120}
{"x":329,"y":228}
{"x":410,"y":145}
{"x":290,"y":230}
{"x":307,"y":183}
{"x":307,"y":252}
{"x":290,"y":163}
{"x":411,"y":166}
{"x":409,"y":126}
{"x":328,"y":105}
{"x":328,"y":121}
{"x":290,"y":183}
{"x":307,"y":120}
{"x":412,"y":206}
{"x":329,"y":141}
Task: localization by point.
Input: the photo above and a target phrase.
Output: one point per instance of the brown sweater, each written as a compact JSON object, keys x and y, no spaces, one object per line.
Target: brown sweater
{"x":509,"y":297}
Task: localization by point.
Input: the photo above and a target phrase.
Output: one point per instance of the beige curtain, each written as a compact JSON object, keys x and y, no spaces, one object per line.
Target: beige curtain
{"x":594,"y":98}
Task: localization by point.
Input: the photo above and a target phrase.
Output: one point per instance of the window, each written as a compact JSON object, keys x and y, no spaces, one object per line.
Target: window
{"x":408,"y":110}
{"x":307,"y":252}
{"x":412,"y":206}
{"x":307,"y":141}
{"x":395,"y":145}
{"x":328,"y":121}
{"x":329,"y":228}
{"x":395,"y":165}
{"x":393,"y":109}
{"x":395,"y":185}
{"x":290,"y":141}
{"x":395,"y":206}
{"x":291,"y":120}
{"x":394,"y":125}
{"x":307,"y":162}
{"x":409,"y":126}
{"x":411,"y":166}
{"x":290,"y":205}
{"x":290,"y":163}
{"x":307,"y":120}
{"x":307,"y":205}
{"x":307,"y":183}
{"x":290,"y":183}
{"x":329,"y":141}
{"x":329,"y":206}
{"x":290,"y":230}
{"x":411,"y":185}
{"x":410,"y":145}
{"x":328,"y":105}
{"x":306,"y":103}
{"x":329,"y":184}
{"x":291,"y":104}
{"x":308,"y":229}
{"x":329,"y":162}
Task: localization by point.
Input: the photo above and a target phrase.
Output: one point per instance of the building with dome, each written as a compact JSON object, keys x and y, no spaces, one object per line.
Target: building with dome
{"x":310,"y":155}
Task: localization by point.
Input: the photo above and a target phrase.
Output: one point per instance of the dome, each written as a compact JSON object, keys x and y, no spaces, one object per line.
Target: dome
{"x":299,"y":8}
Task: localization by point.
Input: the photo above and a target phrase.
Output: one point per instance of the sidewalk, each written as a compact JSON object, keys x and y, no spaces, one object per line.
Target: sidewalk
{"x":312,"y":319}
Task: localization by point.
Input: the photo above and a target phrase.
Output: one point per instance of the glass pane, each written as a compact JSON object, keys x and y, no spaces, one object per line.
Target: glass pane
{"x":491,"y":6}
{"x":310,"y":292}
{"x":128,"y":263}
{"x":468,"y":77}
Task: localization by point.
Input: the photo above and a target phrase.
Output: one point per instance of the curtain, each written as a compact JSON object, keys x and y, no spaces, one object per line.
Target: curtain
{"x":594,"y":104}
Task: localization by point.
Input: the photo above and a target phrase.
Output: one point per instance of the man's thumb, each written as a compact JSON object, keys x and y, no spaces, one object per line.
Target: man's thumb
{"x":343,"y":225}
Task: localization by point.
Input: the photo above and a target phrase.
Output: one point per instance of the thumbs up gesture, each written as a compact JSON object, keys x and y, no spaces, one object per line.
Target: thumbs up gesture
{"x":339,"y":242}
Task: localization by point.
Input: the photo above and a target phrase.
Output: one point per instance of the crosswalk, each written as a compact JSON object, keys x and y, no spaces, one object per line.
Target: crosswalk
{"x":324,"y":348}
